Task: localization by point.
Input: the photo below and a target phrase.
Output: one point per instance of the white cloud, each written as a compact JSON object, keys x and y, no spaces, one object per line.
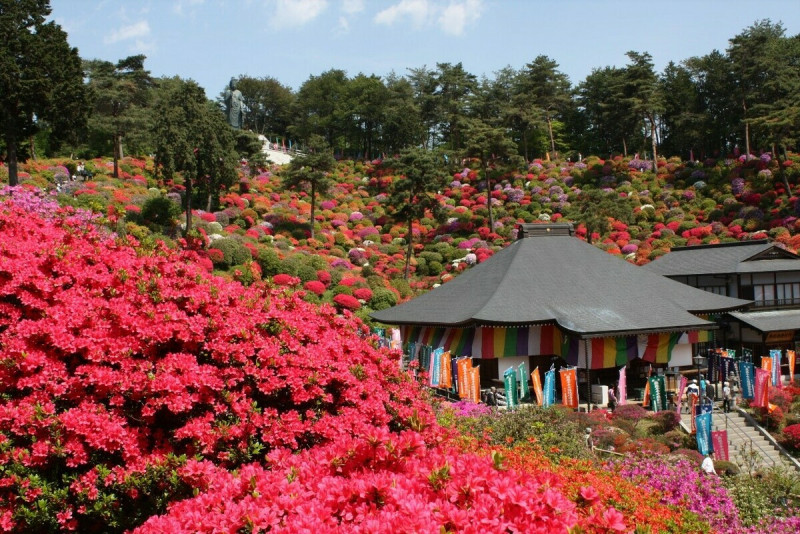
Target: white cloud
{"x":344,"y":25}
{"x":179,"y":5}
{"x":417,"y":10}
{"x":457,"y":15}
{"x":452,"y":18}
{"x":352,"y":6}
{"x":131,"y":31}
{"x":296,"y":12}
{"x":144,"y":47}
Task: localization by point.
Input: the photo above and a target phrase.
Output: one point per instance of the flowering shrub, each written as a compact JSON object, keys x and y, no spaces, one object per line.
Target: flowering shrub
{"x":346,"y":301}
{"x":119,"y":365}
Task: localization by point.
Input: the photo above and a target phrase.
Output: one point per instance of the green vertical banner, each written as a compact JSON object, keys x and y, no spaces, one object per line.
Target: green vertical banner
{"x":658,"y":393}
{"x":525,"y":395}
{"x":704,"y":445}
{"x":510,"y":386}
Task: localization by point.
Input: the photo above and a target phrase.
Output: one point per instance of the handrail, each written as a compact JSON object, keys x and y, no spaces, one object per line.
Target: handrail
{"x":740,"y":433}
{"x":769,"y":438}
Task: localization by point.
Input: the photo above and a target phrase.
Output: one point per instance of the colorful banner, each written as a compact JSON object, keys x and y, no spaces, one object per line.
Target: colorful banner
{"x":791,"y":357}
{"x":747,"y":355}
{"x":435,"y":368}
{"x":604,"y":352}
{"x":775,"y":356}
{"x":488,"y":342}
{"x":713,"y":366}
{"x":766,"y":363}
{"x":658,"y":393}
{"x":727,"y":366}
{"x":622,"y":393}
{"x":475,"y":384}
{"x":569,"y":387}
{"x":719,"y":443}
{"x":524,"y":388}
{"x":464,"y":366}
{"x":693,"y":409}
{"x":681,"y":390}
{"x":658,"y":348}
{"x":537,"y":386}
{"x":703,"y":423}
{"x":549,"y":388}
{"x":761,"y":397}
{"x":699,"y":336}
{"x":747,"y":379}
{"x":445,"y":371}
{"x":510,"y":386}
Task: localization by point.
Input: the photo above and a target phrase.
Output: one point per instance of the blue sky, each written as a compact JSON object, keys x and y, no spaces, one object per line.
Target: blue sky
{"x":211,"y":41}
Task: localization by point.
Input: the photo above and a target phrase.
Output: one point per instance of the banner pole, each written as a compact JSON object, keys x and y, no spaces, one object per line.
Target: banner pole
{"x":588,"y":380}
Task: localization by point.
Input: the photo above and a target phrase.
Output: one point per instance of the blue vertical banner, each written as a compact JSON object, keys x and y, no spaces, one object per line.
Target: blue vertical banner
{"x":525,"y":391}
{"x":510,"y":386}
{"x":704,"y":445}
{"x":748,"y":379}
{"x":436,"y":366}
{"x":775,"y":354}
{"x":549,"y":388}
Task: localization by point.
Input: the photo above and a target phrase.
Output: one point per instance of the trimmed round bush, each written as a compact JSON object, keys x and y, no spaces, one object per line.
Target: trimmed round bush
{"x":233,"y":251}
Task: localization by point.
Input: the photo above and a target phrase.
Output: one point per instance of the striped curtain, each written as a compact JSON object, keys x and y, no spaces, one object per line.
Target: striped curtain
{"x":487,"y":342}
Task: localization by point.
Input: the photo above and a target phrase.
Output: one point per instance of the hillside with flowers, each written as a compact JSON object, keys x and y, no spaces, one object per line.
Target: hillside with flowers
{"x":356,"y":259}
{"x":156,"y":382}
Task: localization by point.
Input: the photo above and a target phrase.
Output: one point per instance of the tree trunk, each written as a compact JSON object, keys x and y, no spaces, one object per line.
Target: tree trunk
{"x":11,"y":149}
{"x":116,"y":155}
{"x":746,"y":132}
{"x":552,"y":140}
{"x":32,"y":143}
{"x":655,"y":153}
{"x":409,"y":237}
{"x":188,"y":204}
{"x":208,"y":203}
{"x":313,"y":205}
{"x":624,"y":148}
{"x":489,"y":196}
{"x":525,"y":145}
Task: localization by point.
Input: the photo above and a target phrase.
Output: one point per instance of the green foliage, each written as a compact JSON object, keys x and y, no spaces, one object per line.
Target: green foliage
{"x":770,"y":493}
{"x":382,"y":298}
{"x":233,"y":251}
{"x":402,"y":286}
{"x":552,"y":428}
{"x":160,"y":211}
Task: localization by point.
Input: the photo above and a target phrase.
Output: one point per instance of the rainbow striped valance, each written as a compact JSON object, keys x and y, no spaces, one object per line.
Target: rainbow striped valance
{"x":498,"y":342}
{"x":486,"y":341}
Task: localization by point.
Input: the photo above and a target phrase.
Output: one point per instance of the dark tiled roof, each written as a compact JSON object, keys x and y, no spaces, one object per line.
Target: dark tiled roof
{"x":770,"y":321}
{"x":725,"y":258}
{"x":561,"y":279}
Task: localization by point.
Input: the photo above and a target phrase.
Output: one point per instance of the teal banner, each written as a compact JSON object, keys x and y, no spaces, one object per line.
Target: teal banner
{"x":525,"y":390}
{"x":549,"y":388}
{"x":703,"y":422}
{"x":748,"y":380}
{"x":510,"y":385}
{"x":658,"y":393}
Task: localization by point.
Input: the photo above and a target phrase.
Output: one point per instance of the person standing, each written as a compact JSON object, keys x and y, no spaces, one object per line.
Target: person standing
{"x":612,"y":399}
{"x":692,"y":394}
{"x":708,"y":465}
{"x":726,"y":397}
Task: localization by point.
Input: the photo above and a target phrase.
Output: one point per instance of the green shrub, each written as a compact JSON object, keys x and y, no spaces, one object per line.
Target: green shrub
{"x":233,"y":251}
{"x":382,"y":298}
{"x":401,"y":285}
{"x":160,"y":211}
{"x":269,"y":261}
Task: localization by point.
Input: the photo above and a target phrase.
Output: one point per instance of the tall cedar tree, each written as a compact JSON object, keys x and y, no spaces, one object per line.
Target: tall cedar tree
{"x":420,"y":174}
{"x":121,"y":97}
{"x":41,"y":79}
{"x":311,"y":169}
{"x":193,"y":137}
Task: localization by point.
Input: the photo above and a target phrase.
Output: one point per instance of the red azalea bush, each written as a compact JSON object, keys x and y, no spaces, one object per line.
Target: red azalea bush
{"x":118,"y":366}
{"x":791,"y":436}
{"x":346,"y":301}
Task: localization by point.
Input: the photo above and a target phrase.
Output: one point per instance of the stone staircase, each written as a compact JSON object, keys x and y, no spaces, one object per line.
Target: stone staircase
{"x":749,"y":446}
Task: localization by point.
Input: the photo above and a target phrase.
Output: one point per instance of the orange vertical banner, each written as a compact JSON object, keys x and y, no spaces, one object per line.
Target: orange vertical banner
{"x":792,"y":357}
{"x":445,"y":371}
{"x":537,"y":386}
{"x":475,"y":384}
{"x":569,"y":387}
{"x":766,"y":363}
{"x":463,"y":367}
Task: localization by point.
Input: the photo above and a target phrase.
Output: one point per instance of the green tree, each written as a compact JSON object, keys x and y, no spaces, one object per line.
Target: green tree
{"x":320,"y":108}
{"x":311,"y":169}
{"x":420,"y":174}
{"x":269,"y":104}
{"x":41,"y":80}
{"x":601,"y":103}
{"x":193,"y":137}
{"x":495,"y":150}
{"x":752,"y":62}
{"x":545,"y":91}
{"x":643,"y":96}
{"x":366,"y":105}
{"x":455,"y":89}
{"x":121,"y":96}
{"x":402,"y":126}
